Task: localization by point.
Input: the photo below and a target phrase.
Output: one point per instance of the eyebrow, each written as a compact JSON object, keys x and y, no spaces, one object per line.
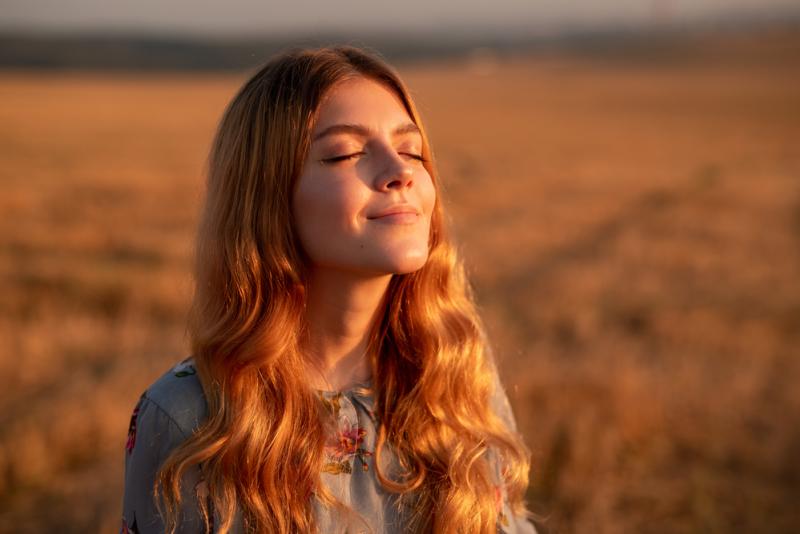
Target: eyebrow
{"x":363,"y":131}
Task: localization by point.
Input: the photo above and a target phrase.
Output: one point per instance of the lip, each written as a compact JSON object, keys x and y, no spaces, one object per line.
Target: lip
{"x":398,"y":218}
{"x":398,"y":212}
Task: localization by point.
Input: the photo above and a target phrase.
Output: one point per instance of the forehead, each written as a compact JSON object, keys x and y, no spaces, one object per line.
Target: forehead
{"x":363,"y":101}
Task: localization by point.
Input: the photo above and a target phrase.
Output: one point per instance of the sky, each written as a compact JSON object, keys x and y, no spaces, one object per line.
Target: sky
{"x":237,"y":17}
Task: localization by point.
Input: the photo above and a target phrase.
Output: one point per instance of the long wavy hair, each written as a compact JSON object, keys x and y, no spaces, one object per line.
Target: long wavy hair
{"x":261,"y":447}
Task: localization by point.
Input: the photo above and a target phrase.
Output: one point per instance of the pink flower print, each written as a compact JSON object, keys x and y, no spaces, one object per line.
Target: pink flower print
{"x":346,"y":444}
{"x":349,"y":440}
{"x":132,"y":428}
{"x":499,"y":504}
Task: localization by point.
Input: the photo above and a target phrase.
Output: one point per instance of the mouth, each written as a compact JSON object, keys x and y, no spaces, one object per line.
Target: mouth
{"x":400,"y":217}
{"x":396,"y":211}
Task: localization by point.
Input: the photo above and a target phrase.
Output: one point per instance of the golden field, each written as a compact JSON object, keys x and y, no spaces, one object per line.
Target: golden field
{"x":631,"y":225}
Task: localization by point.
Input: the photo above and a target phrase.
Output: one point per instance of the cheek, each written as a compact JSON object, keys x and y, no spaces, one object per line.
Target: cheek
{"x":324,"y":207}
{"x":428,"y":193}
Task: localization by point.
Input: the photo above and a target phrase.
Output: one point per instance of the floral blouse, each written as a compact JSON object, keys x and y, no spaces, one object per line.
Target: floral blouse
{"x":174,"y":407}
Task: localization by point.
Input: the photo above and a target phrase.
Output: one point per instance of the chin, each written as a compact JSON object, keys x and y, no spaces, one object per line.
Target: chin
{"x":407,"y":264}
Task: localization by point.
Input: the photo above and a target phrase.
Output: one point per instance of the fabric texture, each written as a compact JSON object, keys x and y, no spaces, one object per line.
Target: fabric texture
{"x":173,"y":407}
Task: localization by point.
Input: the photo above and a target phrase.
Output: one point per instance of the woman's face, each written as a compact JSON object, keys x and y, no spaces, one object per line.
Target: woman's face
{"x":363,"y":201}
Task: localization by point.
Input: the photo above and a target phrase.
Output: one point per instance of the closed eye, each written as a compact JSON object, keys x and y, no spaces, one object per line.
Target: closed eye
{"x":346,"y":157}
{"x":341,"y":158}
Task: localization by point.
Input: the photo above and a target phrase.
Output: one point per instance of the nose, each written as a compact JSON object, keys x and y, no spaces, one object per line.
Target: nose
{"x":397,"y":174}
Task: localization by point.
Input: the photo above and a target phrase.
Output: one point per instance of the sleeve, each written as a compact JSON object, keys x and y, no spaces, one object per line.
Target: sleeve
{"x":152,"y":435}
{"x":507,"y":523}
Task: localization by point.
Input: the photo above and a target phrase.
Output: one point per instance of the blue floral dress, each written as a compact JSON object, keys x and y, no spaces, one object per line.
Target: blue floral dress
{"x":174,"y":407}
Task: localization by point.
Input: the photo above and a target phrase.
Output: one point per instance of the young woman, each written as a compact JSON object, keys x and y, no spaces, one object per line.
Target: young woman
{"x":340,"y":379}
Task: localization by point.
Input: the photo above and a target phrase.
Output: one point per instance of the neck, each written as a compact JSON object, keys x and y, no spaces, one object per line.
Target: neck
{"x":341,"y":306}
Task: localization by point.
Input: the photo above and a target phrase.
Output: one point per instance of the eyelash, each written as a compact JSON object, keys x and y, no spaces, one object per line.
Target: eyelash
{"x":338,"y":159}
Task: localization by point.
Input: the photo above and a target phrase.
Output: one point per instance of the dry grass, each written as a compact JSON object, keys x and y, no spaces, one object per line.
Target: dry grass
{"x":632,"y":228}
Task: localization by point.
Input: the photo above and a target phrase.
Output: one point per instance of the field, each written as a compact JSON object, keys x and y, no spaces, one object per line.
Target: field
{"x":632,"y":229}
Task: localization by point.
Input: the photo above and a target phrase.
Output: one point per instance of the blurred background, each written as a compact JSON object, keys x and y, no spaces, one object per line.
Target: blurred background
{"x":623,"y":179}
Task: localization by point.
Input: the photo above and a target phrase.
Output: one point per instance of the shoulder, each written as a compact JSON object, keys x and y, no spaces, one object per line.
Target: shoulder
{"x":168,"y":412}
{"x":179,"y":395}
